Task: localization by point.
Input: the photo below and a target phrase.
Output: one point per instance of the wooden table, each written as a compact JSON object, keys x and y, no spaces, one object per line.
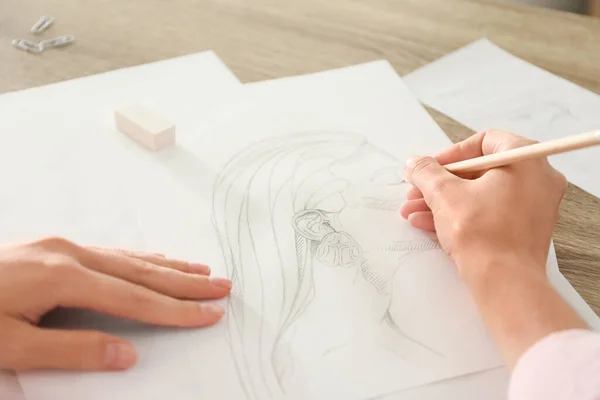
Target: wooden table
{"x":594,"y":8}
{"x":261,"y":39}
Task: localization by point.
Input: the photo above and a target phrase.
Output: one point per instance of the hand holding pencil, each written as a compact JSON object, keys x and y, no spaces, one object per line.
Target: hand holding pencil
{"x":435,"y":180}
{"x":475,"y":155}
{"x":497,"y":227}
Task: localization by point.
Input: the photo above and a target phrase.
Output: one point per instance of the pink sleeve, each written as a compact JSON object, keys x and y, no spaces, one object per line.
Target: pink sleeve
{"x":562,"y":366}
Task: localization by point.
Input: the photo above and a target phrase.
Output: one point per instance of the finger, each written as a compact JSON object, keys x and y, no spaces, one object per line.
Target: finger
{"x":128,"y":252}
{"x":85,"y":288}
{"x":480,"y":144}
{"x":71,"y":350}
{"x":414,"y":193}
{"x":171,"y":282}
{"x":430,"y":178}
{"x":412,"y":206}
{"x":468,"y":148}
{"x":422,"y":220}
{"x":160,"y":259}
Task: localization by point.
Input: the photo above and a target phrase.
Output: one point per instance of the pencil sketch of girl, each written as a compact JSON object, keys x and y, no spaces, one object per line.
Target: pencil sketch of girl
{"x":311,"y":238}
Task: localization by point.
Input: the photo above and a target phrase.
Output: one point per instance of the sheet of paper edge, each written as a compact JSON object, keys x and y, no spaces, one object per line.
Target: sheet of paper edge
{"x":513,"y":58}
{"x":207,"y":53}
{"x":500,"y":49}
{"x":310,"y":74}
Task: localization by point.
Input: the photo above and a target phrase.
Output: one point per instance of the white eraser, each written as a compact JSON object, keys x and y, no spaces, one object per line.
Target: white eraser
{"x":145,"y":127}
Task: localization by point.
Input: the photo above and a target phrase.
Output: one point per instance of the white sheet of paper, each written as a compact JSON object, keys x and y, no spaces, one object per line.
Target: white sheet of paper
{"x":253,"y":115}
{"x":67,"y":171}
{"x":484,"y":87}
{"x":171,"y":194}
{"x":66,"y":159}
{"x":355,"y":356}
{"x":172,"y":212}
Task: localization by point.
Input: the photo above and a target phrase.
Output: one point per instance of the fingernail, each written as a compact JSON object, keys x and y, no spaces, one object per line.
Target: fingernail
{"x":200,"y":269}
{"x":220,"y":282}
{"x":120,"y":355}
{"x":410,"y":163}
{"x":213,"y":309}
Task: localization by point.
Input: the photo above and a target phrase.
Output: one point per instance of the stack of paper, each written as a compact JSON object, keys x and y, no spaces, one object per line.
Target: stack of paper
{"x":485,"y":87}
{"x":255,"y":169}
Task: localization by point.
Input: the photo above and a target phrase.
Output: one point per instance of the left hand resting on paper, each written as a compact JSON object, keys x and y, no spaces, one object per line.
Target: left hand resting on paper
{"x":42,"y":275}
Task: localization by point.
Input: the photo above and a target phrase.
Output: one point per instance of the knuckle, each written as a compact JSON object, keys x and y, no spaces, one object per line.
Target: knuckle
{"x":145,"y":270}
{"x":55,"y":243}
{"x":199,"y":283}
{"x":182,"y":266}
{"x":183,"y":311}
{"x":141,"y":297}
{"x":191,"y":311}
{"x":421,"y":165}
{"x":59,"y":263}
{"x":88,"y":351}
{"x":127,"y":253}
{"x":507,"y":140}
{"x":96,"y":343}
{"x":59,"y":269}
{"x":458,"y":228}
{"x":462,"y":227}
{"x":561,"y":183}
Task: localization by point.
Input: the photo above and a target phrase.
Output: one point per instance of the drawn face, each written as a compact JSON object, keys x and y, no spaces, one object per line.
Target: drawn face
{"x":358,"y":223}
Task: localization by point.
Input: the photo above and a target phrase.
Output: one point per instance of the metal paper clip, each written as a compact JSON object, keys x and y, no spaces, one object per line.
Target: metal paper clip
{"x":26,"y":45}
{"x":43,"y":24}
{"x":57,"y":42}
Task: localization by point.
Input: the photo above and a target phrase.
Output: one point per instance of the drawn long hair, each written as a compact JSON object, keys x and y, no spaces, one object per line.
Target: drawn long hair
{"x":256,"y":196}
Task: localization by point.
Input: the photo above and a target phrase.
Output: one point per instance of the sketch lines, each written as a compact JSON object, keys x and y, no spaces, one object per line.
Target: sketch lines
{"x":303,"y":222}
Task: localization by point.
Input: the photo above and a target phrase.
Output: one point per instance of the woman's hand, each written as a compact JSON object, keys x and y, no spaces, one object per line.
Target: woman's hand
{"x":39,"y":276}
{"x":507,"y":211}
{"x":497,"y":226}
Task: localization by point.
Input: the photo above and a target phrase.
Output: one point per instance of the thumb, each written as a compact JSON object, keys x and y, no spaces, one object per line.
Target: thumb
{"x":40,"y":348}
{"x":428,"y":176}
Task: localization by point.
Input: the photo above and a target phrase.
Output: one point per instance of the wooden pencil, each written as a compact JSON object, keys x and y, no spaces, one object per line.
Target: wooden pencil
{"x":543,"y":149}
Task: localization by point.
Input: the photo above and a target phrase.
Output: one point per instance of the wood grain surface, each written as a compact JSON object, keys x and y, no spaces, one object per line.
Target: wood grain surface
{"x":262,"y":39}
{"x":594,"y":7}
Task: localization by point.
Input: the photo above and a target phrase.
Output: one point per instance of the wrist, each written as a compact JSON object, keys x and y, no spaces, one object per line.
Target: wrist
{"x":517,"y":302}
{"x":481,"y":267}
